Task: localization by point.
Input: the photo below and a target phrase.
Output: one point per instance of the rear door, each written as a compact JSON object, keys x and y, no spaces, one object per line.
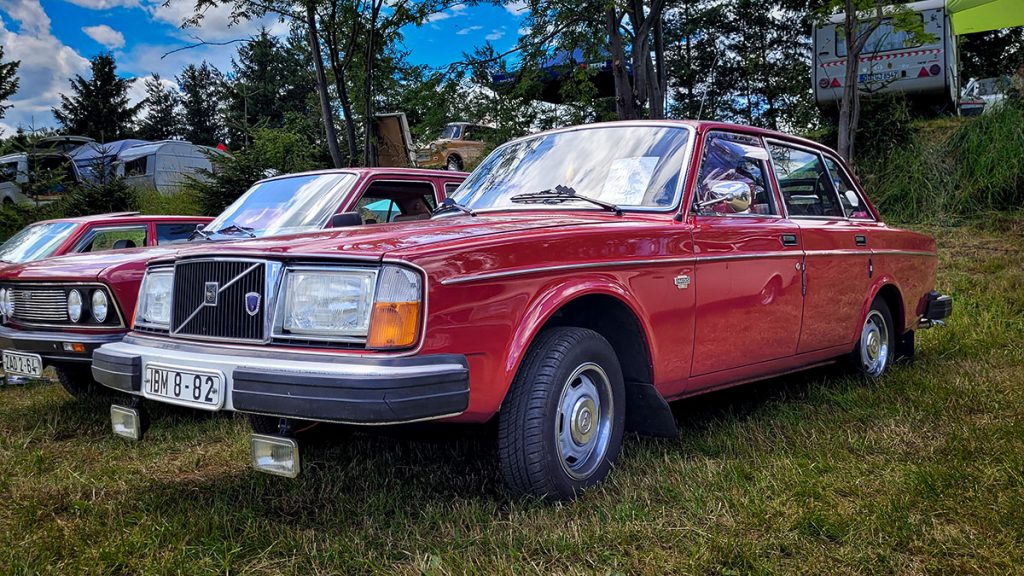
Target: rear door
{"x":747,"y":279}
{"x":837,"y":267}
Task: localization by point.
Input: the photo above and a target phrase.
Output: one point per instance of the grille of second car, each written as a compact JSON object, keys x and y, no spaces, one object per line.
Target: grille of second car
{"x":228,"y":316}
{"x":40,"y":305}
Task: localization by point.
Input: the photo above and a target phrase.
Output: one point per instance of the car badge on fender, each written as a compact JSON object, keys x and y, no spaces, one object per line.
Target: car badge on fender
{"x":210,"y":293}
{"x":252,"y":303}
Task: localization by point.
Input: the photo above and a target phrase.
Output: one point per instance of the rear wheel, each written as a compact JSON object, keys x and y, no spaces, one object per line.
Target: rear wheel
{"x":454,"y":164}
{"x":79,"y":382}
{"x":560,"y":430}
{"x":877,"y":345}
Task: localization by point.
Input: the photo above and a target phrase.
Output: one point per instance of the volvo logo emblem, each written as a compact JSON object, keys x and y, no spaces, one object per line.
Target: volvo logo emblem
{"x":210,"y":293}
{"x":252,"y":303}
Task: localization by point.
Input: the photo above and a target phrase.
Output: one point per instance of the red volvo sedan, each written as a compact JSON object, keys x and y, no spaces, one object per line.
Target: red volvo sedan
{"x":48,"y":308}
{"x":578,"y":281}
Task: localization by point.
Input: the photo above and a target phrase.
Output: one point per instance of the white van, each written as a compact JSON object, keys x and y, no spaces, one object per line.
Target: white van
{"x":927,"y":73}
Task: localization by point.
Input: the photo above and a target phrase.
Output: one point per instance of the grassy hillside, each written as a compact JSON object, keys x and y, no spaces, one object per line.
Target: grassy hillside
{"x":819,"y":473}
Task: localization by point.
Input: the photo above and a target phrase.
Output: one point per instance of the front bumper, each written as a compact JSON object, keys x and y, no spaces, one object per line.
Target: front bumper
{"x":56,"y":347}
{"x":321,"y":387}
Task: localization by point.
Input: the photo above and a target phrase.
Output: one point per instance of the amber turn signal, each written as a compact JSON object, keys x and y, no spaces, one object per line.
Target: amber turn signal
{"x":394,"y":325}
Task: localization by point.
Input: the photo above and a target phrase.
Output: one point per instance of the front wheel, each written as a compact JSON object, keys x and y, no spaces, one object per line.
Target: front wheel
{"x":454,"y":164}
{"x":877,"y":344}
{"x":560,"y":430}
{"x":79,"y":382}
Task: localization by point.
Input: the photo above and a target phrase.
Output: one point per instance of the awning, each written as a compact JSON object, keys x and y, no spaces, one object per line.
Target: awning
{"x":971,"y":16}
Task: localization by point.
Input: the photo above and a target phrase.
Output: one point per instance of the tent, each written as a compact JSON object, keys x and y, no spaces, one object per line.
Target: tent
{"x":164,"y":166}
{"x":93,"y":156}
{"x":971,"y":16}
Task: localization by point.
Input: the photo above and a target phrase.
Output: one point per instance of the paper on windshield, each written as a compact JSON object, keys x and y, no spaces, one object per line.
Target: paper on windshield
{"x":628,"y":180}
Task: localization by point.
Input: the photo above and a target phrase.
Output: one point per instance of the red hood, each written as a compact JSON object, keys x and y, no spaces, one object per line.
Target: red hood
{"x":81,"y":267}
{"x":377,"y":240}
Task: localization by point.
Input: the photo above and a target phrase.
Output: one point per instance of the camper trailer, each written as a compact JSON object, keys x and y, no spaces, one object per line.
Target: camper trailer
{"x":891,"y":61}
{"x":35,"y":177}
{"x":164,"y":166}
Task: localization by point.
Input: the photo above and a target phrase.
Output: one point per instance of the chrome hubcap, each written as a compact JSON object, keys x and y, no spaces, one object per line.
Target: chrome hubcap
{"x":874,"y":344}
{"x":583,"y":426}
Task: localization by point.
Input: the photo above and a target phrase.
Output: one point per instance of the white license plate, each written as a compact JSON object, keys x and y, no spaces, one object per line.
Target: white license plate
{"x":185,"y":386}
{"x":878,"y":77}
{"x":23,"y":364}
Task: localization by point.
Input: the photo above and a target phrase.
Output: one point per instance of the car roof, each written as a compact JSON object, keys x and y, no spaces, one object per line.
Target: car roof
{"x":363,"y":172}
{"x":126,"y":218}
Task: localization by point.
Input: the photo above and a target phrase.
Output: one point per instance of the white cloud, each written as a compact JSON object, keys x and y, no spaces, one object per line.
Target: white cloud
{"x":516,"y":8}
{"x":495,"y":35}
{"x":469,"y":30}
{"x":453,"y":12}
{"x":105,"y":35}
{"x":104,"y":4}
{"x":217,"y":24}
{"x":46,"y":65}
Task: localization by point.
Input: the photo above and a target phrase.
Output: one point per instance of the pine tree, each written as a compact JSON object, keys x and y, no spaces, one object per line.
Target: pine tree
{"x":98,"y":107}
{"x":201,"y":88}
{"x":161,"y":119}
{"x":8,"y":81}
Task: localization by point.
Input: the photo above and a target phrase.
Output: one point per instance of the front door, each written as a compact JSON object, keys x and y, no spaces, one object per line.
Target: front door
{"x":747,"y":276}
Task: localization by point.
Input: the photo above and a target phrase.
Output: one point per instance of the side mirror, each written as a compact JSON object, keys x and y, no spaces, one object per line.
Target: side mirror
{"x":735,"y":194}
{"x":346,"y":219}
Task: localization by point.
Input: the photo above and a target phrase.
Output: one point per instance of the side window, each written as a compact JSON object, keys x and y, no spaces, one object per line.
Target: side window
{"x":8,"y":172}
{"x":113,"y":239}
{"x":451,"y":187}
{"x":853,"y":205}
{"x":805,"y":184}
{"x":386,"y":201}
{"x":733,"y":177}
{"x":174,"y":233}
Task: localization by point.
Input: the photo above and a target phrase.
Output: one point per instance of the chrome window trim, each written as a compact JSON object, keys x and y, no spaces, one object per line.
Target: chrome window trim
{"x":91,"y":234}
{"x":55,"y":285}
{"x":856,"y":189}
{"x":778,"y":199}
{"x":677,"y":199}
{"x":775,"y":179}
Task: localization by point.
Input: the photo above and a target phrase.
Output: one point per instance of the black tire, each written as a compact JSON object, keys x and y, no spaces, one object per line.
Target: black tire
{"x":262,"y":424}
{"x":454,"y":164}
{"x":532,"y":434}
{"x":79,"y":382}
{"x":876,"y":347}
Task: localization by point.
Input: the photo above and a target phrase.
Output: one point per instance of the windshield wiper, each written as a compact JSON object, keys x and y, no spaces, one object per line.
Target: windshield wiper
{"x":235,"y":229}
{"x":199,"y":231}
{"x":450,"y":204}
{"x":562,"y":194}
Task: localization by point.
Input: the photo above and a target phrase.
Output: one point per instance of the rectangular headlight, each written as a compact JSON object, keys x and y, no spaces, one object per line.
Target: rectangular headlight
{"x":154,"y":307}
{"x":327,"y":302}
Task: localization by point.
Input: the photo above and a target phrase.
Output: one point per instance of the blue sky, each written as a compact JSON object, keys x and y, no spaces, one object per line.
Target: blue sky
{"x":54,"y":38}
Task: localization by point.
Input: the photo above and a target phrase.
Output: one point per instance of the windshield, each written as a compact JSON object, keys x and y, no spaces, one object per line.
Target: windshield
{"x":36,"y":242}
{"x":285,"y":206}
{"x":629,"y":166}
{"x":451,"y":132}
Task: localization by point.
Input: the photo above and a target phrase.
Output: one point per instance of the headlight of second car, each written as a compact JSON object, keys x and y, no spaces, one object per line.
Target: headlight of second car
{"x":326,"y":302}
{"x":154,"y":307}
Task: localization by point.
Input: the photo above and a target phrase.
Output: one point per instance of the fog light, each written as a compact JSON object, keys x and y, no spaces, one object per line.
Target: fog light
{"x":126,"y":422}
{"x":275,"y":455}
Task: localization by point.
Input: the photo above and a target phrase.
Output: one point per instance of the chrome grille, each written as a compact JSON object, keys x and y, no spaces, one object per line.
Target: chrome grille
{"x":194,"y":315}
{"x":40,"y":305}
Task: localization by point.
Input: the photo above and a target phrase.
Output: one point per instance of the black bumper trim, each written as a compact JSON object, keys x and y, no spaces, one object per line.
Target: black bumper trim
{"x":938,"y":306}
{"x":118,"y":371}
{"x":50,"y":345}
{"x":353,"y":399}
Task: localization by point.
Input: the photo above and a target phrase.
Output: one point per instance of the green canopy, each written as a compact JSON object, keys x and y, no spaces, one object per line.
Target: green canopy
{"x":983,"y":15}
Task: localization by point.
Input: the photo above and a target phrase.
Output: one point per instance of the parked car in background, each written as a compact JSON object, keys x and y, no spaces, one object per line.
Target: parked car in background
{"x":57,"y":311}
{"x":575,"y":283}
{"x":37,"y":177}
{"x":460,"y":144}
{"x":78,"y":235}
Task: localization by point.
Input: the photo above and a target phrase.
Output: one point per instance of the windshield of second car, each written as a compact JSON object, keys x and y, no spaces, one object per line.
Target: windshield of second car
{"x":284,"y":206}
{"x":451,"y":132}
{"x":35,"y":242}
{"x":629,"y":166}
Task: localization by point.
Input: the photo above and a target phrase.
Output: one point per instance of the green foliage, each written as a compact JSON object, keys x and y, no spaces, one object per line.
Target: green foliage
{"x":273,"y":151}
{"x":161,"y":119}
{"x":200,"y":94}
{"x":950,"y":169}
{"x":15,"y":217}
{"x":98,"y":107}
{"x":8,"y":81}
{"x":109,"y":193}
{"x":991,"y":54}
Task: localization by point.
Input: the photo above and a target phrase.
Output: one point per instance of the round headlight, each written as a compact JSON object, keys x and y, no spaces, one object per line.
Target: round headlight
{"x":99,"y":306}
{"x":75,"y":305}
{"x":4,"y":305}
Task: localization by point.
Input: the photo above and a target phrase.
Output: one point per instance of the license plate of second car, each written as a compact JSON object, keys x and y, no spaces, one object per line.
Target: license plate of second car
{"x":185,"y":386}
{"x":21,"y":364}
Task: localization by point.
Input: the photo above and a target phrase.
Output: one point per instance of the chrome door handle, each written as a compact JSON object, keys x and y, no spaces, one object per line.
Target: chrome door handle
{"x":789,"y":239}
{"x":861,"y":240}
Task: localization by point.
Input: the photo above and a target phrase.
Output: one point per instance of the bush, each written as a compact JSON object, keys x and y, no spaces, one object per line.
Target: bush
{"x":109,"y":194}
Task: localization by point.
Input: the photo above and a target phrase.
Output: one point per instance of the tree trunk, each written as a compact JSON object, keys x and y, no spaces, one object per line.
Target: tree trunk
{"x":341,"y":87}
{"x":658,"y":98}
{"x":849,"y":105}
{"x":624,"y":105}
{"x":321,"y":86}
{"x":371,"y":50}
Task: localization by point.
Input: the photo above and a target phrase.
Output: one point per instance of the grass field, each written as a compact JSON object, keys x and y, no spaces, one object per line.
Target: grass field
{"x":822,"y":473}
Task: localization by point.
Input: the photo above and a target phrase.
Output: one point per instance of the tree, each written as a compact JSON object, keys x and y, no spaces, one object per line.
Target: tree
{"x":860,"y":20}
{"x":991,"y":54}
{"x":98,"y":107}
{"x":161,"y":119}
{"x":8,"y":81}
{"x":201,"y":88}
